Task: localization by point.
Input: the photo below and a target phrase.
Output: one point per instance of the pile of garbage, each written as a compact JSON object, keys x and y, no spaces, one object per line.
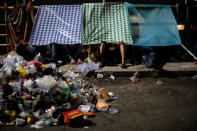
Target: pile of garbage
{"x":42,"y":95}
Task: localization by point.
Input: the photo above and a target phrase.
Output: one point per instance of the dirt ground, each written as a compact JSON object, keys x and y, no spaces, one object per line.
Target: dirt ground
{"x":144,"y":106}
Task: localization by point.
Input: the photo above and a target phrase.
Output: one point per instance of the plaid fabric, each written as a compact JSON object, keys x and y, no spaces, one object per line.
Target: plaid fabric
{"x":60,"y":24}
{"x":105,"y":22}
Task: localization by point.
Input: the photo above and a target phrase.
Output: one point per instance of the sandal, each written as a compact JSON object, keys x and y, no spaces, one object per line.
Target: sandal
{"x":123,"y":66}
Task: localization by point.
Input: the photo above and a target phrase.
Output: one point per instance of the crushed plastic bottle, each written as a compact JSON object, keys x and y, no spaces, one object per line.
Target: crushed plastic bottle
{"x":64,"y":86}
{"x":100,"y":76}
{"x":71,"y":75}
{"x":159,"y":83}
{"x":87,"y":67}
{"x":112,"y":77}
{"x":194,"y":77}
{"x":20,"y":121}
{"x":113,"y":111}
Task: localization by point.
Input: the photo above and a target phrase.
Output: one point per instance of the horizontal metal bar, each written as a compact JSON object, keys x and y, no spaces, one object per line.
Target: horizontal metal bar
{"x":3,"y":44}
{"x":3,"y":34}
{"x":9,"y":7}
{"x":2,"y":24}
{"x":12,"y":7}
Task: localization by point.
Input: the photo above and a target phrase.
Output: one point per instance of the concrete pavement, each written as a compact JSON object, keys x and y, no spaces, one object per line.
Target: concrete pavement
{"x":178,"y":68}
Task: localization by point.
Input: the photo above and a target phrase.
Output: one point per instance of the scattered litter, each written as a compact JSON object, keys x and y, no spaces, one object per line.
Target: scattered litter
{"x":99,"y":76}
{"x":111,"y":94}
{"x":194,"y":77}
{"x":134,"y":78}
{"x":87,"y":67}
{"x":159,"y":83}
{"x":136,"y":103}
{"x":20,"y":122}
{"x":42,"y":95}
{"x":84,"y":108}
{"x":113,"y":111}
{"x":36,"y":126}
{"x":101,"y":105}
{"x":112,"y":77}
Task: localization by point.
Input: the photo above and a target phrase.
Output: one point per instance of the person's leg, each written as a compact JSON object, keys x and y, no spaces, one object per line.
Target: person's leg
{"x":102,"y":49}
{"x":66,"y":53}
{"x":78,"y":53}
{"x":54,"y":52}
{"x":122,"y":52}
{"x":75,"y":51}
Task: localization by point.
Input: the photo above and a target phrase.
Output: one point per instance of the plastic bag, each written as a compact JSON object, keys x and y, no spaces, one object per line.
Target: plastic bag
{"x":11,"y":62}
{"x":47,"y":81}
{"x":86,"y":67}
{"x":71,"y":75}
{"x":14,"y":60}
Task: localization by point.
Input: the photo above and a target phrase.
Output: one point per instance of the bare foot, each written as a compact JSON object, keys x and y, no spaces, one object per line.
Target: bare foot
{"x":72,"y":61}
{"x":79,"y":61}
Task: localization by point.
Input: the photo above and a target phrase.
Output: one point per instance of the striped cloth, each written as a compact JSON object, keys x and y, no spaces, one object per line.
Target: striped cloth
{"x":105,"y":22}
{"x":60,"y":24}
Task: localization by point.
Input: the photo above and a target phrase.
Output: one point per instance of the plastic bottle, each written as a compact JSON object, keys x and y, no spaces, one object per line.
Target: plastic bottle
{"x":113,"y":111}
{"x":159,"y":83}
{"x":99,"y":76}
{"x":64,"y":86}
{"x":20,"y":121}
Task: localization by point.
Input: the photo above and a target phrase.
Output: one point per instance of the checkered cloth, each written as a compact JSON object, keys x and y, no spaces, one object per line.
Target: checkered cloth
{"x":105,"y":22}
{"x":60,"y":24}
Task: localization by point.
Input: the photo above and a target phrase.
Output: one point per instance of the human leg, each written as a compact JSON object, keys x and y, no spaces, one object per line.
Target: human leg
{"x":54,"y":52}
{"x":122,"y":52}
{"x":102,"y":50}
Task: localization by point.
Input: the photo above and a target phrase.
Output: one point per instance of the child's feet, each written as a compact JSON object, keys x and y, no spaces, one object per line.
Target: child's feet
{"x":79,"y":61}
{"x":72,"y":61}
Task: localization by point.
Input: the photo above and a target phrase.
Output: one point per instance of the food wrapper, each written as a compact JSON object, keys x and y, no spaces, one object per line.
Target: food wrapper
{"x":74,"y":114}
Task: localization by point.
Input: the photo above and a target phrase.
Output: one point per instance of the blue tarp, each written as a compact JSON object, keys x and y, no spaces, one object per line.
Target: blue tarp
{"x":61,"y":24}
{"x":152,"y":25}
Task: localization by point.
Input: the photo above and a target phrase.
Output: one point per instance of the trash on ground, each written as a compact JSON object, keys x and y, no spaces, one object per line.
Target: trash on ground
{"x":41,"y":95}
{"x":100,"y":76}
{"x":194,"y":77}
{"x":87,"y":67}
{"x":159,"y":83}
{"x":112,"y":77}
{"x":113,"y":111}
{"x":134,"y":78}
{"x":136,"y":103}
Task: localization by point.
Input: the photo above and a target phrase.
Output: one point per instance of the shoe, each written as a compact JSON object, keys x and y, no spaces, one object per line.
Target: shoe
{"x":123,"y":66}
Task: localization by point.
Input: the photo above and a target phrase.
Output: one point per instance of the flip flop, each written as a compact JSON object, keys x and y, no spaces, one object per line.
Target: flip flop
{"x":123,"y":66}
